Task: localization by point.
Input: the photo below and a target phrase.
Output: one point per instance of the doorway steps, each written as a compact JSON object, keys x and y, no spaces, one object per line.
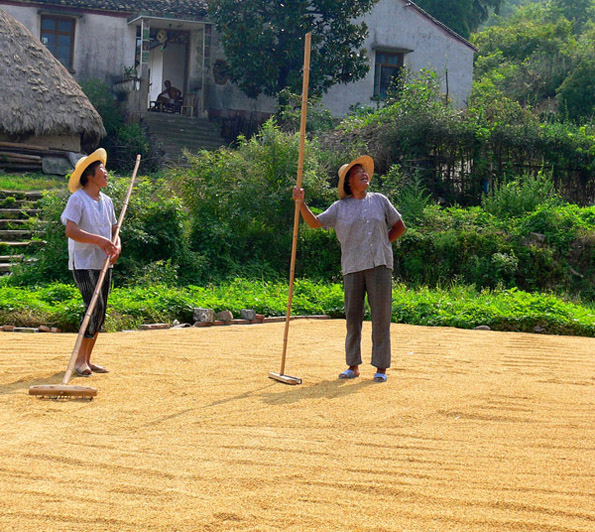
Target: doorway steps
{"x":16,"y":238}
{"x":176,"y":132}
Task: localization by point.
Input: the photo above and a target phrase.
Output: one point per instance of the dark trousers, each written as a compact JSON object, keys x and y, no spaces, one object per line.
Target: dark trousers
{"x":377,"y":283}
{"x":86,"y":281}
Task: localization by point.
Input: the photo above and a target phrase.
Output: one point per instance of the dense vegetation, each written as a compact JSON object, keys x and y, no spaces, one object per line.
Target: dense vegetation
{"x":543,"y":55}
{"x":230,"y":214}
{"x":463,"y":16}
{"x":124,"y":140}
{"x":459,"y":154}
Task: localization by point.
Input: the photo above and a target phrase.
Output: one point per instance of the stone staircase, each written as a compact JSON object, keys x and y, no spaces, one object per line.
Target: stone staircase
{"x":176,"y":132}
{"x":16,"y":210}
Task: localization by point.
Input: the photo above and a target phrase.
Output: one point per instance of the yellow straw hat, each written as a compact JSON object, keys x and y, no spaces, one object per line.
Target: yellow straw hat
{"x":74,"y":182}
{"x":365,"y":161}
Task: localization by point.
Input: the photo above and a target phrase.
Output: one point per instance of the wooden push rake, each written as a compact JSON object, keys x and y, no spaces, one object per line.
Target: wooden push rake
{"x":281,"y":377}
{"x":64,"y":390}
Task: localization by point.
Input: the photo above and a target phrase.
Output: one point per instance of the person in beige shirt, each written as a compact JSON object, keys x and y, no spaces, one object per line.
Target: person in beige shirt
{"x":366,"y":224}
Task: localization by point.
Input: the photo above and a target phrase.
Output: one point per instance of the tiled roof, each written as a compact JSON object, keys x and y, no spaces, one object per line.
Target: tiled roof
{"x":195,"y":9}
{"x":438,"y":23}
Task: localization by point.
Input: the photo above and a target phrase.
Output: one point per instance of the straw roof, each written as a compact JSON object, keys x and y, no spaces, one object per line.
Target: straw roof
{"x":40,"y":97}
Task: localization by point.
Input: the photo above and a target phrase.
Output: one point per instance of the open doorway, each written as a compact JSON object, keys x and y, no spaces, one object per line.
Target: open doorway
{"x":168,"y":60}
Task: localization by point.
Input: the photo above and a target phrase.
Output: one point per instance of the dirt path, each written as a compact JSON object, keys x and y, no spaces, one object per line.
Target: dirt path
{"x":474,"y":431}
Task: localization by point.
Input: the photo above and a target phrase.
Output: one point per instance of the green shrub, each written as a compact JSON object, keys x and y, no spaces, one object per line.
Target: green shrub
{"x":523,"y":195}
{"x":546,"y":249}
{"x":123,"y":142}
{"x":104,"y":102}
{"x":154,"y":238}
{"x":240,"y":201}
{"x":130,"y":141}
{"x":413,"y":199}
{"x":318,"y":255}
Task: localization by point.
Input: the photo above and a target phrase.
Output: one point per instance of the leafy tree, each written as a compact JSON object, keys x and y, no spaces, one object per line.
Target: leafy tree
{"x":577,"y":94}
{"x":264,"y":42}
{"x":463,"y":16}
{"x":528,"y":55}
{"x":542,"y":55}
{"x":577,"y":11}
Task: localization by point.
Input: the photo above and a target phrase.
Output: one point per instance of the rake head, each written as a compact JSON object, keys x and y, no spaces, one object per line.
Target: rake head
{"x":285,"y":379}
{"x":63,"y":391}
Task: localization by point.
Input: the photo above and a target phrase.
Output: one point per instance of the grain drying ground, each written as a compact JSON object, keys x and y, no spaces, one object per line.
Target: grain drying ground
{"x":474,"y":431}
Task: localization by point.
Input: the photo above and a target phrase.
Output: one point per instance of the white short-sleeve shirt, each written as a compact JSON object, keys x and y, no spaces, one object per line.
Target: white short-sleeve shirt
{"x":93,"y":216}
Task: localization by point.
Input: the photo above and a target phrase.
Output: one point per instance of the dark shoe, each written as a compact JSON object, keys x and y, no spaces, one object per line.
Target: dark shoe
{"x":98,"y":369}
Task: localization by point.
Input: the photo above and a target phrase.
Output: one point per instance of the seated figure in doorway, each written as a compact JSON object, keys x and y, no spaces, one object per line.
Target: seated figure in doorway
{"x":169,"y":96}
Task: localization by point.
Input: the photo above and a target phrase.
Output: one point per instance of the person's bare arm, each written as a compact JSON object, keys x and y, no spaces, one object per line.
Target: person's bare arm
{"x":76,"y":233}
{"x":308,"y":216}
{"x":118,"y":244}
{"x":396,"y":231}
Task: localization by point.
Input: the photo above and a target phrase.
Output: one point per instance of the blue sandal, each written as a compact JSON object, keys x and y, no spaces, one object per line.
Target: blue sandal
{"x":380,"y":377}
{"x":348,"y":374}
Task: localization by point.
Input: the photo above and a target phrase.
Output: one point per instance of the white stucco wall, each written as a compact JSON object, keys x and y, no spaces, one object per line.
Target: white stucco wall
{"x":174,"y":65}
{"x":393,"y":26}
{"x":195,"y":50}
{"x":26,"y":15}
{"x":156,"y":79}
{"x":103,"y":44}
{"x":229,"y":96}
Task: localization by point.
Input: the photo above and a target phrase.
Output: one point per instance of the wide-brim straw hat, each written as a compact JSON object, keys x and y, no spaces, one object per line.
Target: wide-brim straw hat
{"x":365,"y":161}
{"x":74,"y":183}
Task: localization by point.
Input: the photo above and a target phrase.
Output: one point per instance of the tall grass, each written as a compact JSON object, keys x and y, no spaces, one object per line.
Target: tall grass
{"x":28,"y":182}
{"x":460,"y":306}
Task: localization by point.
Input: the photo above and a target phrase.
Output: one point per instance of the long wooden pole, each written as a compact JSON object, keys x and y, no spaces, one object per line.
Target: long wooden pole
{"x":91,"y":307}
{"x":300,"y":170}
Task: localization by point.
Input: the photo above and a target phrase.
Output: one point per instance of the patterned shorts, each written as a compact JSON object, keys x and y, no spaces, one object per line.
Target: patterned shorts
{"x":86,"y":280}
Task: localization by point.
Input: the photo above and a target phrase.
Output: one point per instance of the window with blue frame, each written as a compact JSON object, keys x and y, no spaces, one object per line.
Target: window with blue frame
{"x":57,"y":33}
{"x":388,"y":67}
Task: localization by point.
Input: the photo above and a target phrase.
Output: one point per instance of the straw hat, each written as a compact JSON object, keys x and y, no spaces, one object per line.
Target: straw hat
{"x":75,"y":178}
{"x":365,"y":161}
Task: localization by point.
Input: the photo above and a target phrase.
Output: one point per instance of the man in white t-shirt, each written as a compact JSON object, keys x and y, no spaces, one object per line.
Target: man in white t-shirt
{"x":90,"y":225}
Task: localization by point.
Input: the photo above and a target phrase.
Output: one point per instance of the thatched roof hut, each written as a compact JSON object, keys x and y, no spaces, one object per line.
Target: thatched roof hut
{"x":41,"y":102}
